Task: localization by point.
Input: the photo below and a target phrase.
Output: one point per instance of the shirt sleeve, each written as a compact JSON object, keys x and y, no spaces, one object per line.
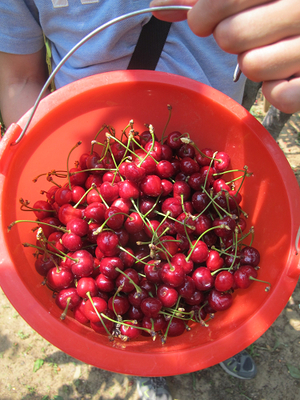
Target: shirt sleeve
{"x":20,"y":32}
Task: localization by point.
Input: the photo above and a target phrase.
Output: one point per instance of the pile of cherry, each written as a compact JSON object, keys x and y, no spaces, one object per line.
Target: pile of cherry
{"x":143,"y":236}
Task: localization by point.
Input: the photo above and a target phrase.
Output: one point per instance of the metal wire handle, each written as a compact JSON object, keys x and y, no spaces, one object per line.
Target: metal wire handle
{"x":89,"y":36}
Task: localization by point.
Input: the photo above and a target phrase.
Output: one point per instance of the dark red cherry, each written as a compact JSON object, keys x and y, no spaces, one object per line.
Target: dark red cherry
{"x":250,"y":256}
{"x":219,"y":301}
{"x":203,"y":278}
{"x":151,"y":307}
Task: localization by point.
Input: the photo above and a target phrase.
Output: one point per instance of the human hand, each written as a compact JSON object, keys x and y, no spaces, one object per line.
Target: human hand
{"x":264,"y":34}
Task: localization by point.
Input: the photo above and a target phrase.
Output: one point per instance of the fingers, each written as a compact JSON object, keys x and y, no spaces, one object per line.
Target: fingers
{"x":206,"y":15}
{"x":280,"y":60}
{"x":171,"y":16}
{"x":258,"y":26}
{"x":283,"y":94}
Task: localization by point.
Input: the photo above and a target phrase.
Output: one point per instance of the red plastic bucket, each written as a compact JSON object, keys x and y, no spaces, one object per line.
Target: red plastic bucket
{"x":271,"y":198}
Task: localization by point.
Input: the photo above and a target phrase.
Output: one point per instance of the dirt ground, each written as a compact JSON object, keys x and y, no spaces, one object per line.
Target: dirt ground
{"x":33,"y":369}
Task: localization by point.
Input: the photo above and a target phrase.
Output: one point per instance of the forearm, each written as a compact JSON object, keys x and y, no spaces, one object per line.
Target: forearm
{"x":21,"y":79}
{"x":17,"y":98}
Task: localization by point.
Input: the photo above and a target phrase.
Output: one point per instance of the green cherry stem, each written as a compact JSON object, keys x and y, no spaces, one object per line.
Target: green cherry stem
{"x":167,"y":123}
{"x":68,"y":160}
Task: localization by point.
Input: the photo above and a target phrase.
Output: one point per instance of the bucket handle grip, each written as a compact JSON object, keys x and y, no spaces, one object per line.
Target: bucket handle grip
{"x":236,"y":74}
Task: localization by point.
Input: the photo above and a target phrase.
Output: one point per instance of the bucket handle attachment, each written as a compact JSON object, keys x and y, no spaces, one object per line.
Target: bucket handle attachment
{"x":297,"y":241}
{"x":236,"y":74}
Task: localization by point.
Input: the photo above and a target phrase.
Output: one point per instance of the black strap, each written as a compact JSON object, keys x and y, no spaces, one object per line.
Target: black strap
{"x":150,"y":44}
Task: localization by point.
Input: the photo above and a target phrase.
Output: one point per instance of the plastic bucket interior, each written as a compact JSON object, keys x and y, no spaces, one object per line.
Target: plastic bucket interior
{"x":270,"y":197}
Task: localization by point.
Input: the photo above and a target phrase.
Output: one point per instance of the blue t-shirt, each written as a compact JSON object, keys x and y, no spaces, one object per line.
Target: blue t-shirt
{"x":66,"y":22}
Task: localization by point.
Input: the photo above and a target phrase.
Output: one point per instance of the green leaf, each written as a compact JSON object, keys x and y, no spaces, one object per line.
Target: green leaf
{"x":38,"y":364}
{"x":58,"y":398}
{"x":294,"y":371}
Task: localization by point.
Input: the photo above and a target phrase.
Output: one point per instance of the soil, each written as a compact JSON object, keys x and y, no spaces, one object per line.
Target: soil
{"x":33,"y":369}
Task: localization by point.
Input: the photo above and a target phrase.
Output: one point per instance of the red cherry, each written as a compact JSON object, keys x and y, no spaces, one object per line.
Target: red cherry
{"x":93,"y":179}
{"x":250,"y":256}
{"x":43,"y":264}
{"x":182,"y":190}
{"x":203,"y":278}
{"x":42,"y":209}
{"x":132,"y":332}
{"x":104,"y":283}
{"x":172,"y":205}
{"x":224,"y":281}
{"x":154,"y":324}
{"x":151,"y":307}
{"x":59,"y":278}
{"x":165,"y":169}
{"x":108,"y":243}
{"x":67,"y":212}
{"x":173,"y":140}
{"x":114,"y":217}
{"x":119,"y":304}
{"x":85,"y":285}
{"x":71,"y":241}
{"x":176,"y":327}
{"x":214,"y":261}
{"x":187,"y":288}
{"x":145,"y":161}
{"x":127,"y":280}
{"x":180,"y":259}
{"x":186,"y":150}
{"x":105,"y":324}
{"x":222,"y":161}
{"x":129,"y":190}
{"x":189,"y":166}
{"x":134,"y":223}
{"x":63,"y":196}
{"x":166,"y":152}
{"x":67,"y":299}
{"x":94,"y":303}
{"x":172,"y":274}
{"x":167,"y":246}
{"x":200,"y":201}
{"x":151,"y":185}
{"x":204,"y":157}
{"x":167,"y":295}
{"x":199,"y":253}
{"x":242,"y":276}
{"x":109,"y":266}
{"x":84,"y":264}
{"x":219,"y":301}
{"x":109,"y":191}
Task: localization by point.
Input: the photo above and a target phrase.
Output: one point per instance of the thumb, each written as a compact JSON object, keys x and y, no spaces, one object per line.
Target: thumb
{"x":283,"y":94}
{"x":172,"y":15}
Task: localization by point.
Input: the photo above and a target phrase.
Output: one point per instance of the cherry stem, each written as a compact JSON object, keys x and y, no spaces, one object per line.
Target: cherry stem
{"x":98,"y":314}
{"x":175,"y":220}
{"x":188,"y":140}
{"x":60,"y":254}
{"x":167,"y":123}
{"x":222,"y":226}
{"x":97,"y":134}
{"x":267,"y":289}
{"x":243,"y":178}
{"x":36,"y":222}
{"x":164,"y":338}
{"x":25,"y":207}
{"x":68,"y":159}
{"x":137,"y":288}
{"x":93,"y":186}
{"x":63,"y":315}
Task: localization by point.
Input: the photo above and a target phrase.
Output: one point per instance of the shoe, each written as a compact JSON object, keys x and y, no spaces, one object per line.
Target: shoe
{"x":240,"y":366}
{"x":153,"y":389}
